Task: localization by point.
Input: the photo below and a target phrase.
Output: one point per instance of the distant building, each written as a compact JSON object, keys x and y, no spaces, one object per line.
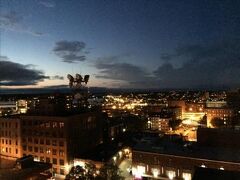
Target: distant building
{"x":216,"y":104}
{"x":224,"y":114}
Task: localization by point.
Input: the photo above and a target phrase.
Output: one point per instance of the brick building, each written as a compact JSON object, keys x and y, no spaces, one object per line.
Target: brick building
{"x":52,"y":139}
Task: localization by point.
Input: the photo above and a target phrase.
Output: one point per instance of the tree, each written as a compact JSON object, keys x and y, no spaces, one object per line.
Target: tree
{"x":217,"y":122}
{"x":175,"y":123}
{"x":86,"y":173}
{"x":109,"y":172}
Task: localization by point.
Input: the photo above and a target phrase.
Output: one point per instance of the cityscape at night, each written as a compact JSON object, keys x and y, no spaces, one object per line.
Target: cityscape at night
{"x":119,"y":89}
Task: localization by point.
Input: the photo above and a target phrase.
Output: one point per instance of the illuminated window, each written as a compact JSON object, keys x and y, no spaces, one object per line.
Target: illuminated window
{"x":171,"y":174}
{"x":48,"y":151}
{"x":155,"y":172}
{"x":55,"y":124}
{"x":61,"y":124}
{"x":61,"y":153}
{"x":187,"y":176}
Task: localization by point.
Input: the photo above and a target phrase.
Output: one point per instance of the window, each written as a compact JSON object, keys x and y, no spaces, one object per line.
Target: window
{"x":54,"y":152}
{"x":54,"y":161}
{"x":10,"y":142}
{"x":55,"y":124}
{"x":41,"y":149}
{"x":48,"y":160}
{"x":62,"y":171}
{"x":10,"y":150}
{"x":48,"y":151}
{"x":23,"y":140}
{"x":2,"y":141}
{"x":30,"y":148}
{"x":36,"y":149}
{"x":61,"y":143}
{"x":6,"y":141}
{"x":47,"y":142}
{"x":6,"y":149}
{"x":54,"y":142}
{"x":61,"y":162}
{"x":41,"y":141}
{"x":16,"y":142}
{"x":61,"y":153}
{"x":30,"y":139}
{"x":61,"y":124}
{"x":16,"y":151}
{"x":42,"y":159}
{"x":24,"y":147}
{"x":48,"y":125}
{"x":35,"y":141}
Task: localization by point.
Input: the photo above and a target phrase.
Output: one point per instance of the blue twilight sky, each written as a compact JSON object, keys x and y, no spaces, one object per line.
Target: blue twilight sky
{"x":130,"y":43}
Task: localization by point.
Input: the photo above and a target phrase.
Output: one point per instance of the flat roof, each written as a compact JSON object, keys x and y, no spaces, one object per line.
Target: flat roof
{"x":175,"y":146}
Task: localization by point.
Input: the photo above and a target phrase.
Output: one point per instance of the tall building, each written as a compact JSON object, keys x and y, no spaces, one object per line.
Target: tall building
{"x":52,"y":139}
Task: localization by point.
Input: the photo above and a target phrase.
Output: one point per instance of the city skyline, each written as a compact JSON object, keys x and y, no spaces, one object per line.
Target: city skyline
{"x":149,"y":44}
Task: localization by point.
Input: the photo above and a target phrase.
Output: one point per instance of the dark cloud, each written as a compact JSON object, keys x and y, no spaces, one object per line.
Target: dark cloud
{"x":12,"y":21}
{"x":47,"y":3}
{"x":206,"y":65}
{"x":15,"y":74}
{"x":130,"y":75}
{"x":212,"y":65}
{"x":70,"y":51}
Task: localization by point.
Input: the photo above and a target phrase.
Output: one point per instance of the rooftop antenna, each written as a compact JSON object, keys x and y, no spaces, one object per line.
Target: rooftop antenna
{"x":78,"y":85}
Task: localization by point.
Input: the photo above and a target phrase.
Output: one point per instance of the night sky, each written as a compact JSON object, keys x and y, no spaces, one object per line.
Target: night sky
{"x":125,"y":43}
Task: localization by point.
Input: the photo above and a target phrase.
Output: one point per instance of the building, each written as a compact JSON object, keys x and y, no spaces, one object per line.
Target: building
{"x":169,"y":157}
{"x":156,"y":123}
{"x":218,"y":137}
{"x":10,"y":138}
{"x":51,"y":139}
{"x":224,"y":114}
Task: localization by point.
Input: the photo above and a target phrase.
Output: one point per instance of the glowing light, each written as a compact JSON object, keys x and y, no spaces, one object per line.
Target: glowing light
{"x":187,"y":176}
{"x":79,"y":163}
{"x":120,"y":153}
{"x":221,"y":168}
{"x":139,"y":171}
{"x":155,"y":172}
{"x":67,"y":167}
{"x":171,"y":174}
{"x":203,"y":166}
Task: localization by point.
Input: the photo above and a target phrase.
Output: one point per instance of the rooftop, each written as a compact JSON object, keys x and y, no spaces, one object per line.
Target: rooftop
{"x":174,"y":145}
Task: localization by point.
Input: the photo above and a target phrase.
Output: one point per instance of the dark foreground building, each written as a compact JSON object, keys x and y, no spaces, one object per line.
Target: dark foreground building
{"x":170,"y":157}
